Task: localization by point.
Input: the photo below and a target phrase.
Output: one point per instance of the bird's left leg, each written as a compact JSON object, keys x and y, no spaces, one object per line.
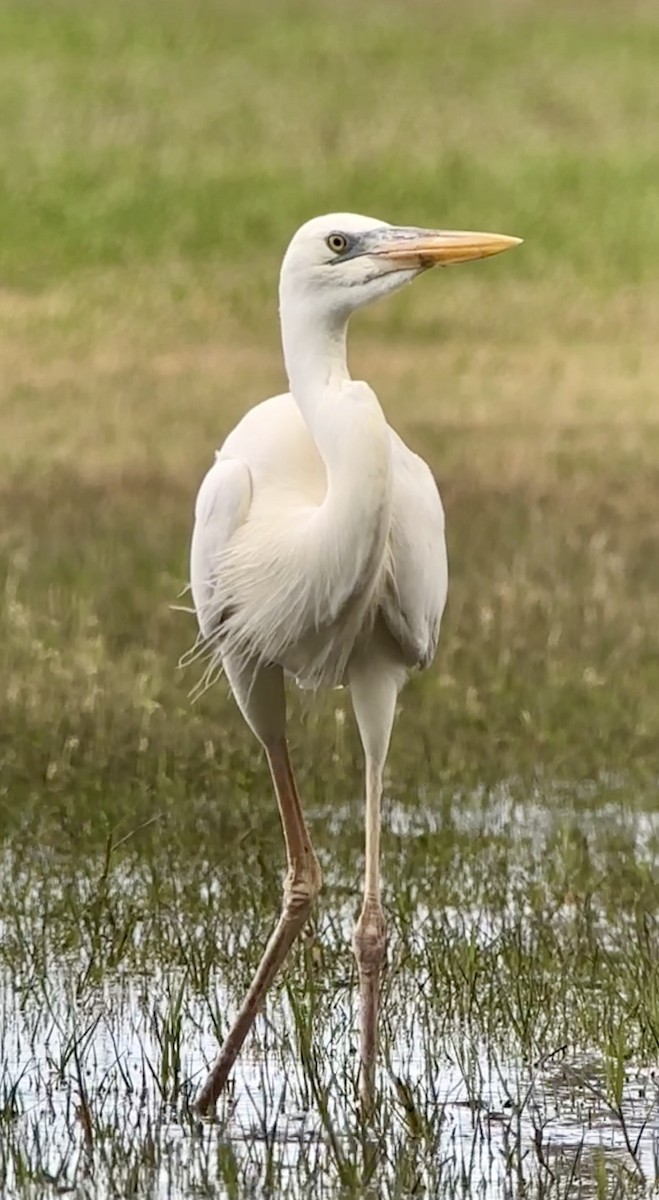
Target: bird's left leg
{"x":374,"y":688}
{"x":369,"y":939}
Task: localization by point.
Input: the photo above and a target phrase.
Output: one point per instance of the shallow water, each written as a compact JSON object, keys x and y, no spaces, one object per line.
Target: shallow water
{"x":482,"y":1119}
{"x":484,"y":1092}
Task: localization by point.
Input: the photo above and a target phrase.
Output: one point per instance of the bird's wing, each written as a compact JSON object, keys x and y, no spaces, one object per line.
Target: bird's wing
{"x":222,"y":505}
{"x":415,"y":593}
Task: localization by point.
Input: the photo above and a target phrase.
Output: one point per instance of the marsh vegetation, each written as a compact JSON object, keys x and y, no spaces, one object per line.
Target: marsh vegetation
{"x":156,"y":158}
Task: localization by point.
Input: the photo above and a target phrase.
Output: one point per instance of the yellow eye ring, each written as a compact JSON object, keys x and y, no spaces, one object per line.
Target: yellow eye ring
{"x":337,"y":243}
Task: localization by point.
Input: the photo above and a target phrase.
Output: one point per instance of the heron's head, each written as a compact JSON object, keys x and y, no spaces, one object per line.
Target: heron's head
{"x":343,"y":261}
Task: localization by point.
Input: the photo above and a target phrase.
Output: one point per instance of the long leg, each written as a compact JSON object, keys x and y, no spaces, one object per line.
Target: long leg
{"x":369,"y":938}
{"x":374,"y":686}
{"x":301,"y":886}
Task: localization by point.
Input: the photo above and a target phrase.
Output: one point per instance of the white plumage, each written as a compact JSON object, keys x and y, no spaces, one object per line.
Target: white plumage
{"x":318,"y":551}
{"x":275,"y":579}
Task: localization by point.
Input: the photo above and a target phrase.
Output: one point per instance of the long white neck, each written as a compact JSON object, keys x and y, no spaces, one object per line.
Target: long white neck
{"x":352,"y":437}
{"x":314,"y":344}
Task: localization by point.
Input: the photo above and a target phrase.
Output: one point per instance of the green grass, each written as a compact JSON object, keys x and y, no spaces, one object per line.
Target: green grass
{"x":155,"y":158}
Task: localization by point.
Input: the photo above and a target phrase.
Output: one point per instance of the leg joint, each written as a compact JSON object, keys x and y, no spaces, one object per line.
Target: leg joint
{"x":302,"y":885}
{"x":369,"y":940}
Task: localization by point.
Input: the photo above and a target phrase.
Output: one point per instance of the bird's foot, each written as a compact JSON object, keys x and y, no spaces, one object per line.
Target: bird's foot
{"x":369,"y":944}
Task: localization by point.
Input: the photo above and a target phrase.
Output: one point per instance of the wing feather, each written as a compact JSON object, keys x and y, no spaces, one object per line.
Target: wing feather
{"x":415,"y":593}
{"x":222,"y":505}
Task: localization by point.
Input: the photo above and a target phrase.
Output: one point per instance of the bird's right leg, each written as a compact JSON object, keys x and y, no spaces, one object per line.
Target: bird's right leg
{"x":301,"y":885}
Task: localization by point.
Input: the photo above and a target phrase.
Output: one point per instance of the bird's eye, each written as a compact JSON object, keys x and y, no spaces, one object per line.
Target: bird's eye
{"x":337,"y":242}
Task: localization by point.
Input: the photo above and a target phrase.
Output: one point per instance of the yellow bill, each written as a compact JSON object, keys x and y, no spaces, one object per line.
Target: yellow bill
{"x":441,"y":248}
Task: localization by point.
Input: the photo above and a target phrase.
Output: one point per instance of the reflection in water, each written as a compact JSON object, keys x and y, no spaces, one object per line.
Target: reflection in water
{"x":99,"y":1066}
{"x":134,"y":1061}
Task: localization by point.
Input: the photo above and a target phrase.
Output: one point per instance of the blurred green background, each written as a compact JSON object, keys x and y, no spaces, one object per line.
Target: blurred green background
{"x":155,"y":158}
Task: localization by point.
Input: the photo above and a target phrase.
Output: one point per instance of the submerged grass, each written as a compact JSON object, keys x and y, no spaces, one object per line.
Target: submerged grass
{"x":156,"y":158}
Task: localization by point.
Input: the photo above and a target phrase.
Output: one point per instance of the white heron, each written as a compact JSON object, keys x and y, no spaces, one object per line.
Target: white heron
{"x":318,"y":552}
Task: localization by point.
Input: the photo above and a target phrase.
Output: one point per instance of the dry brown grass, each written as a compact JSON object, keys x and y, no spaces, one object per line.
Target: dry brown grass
{"x":156,"y":155}
{"x":148,"y":381}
